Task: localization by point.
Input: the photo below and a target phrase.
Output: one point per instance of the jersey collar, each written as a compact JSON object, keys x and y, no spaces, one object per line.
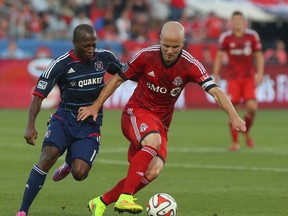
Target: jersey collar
{"x":169,"y":65}
{"x":74,"y":57}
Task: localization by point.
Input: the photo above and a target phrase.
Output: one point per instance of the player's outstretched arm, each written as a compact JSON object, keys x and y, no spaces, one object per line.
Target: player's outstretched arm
{"x":217,"y":65}
{"x":110,"y":87}
{"x":224,"y":102}
{"x":259,"y":66}
{"x":31,"y":133}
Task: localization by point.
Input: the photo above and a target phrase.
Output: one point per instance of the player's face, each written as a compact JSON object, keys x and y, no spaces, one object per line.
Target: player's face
{"x":84,"y":49}
{"x":170,"y":49}
{"x":238,"y":22}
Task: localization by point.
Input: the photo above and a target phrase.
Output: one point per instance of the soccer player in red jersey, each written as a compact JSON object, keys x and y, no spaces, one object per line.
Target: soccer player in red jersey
{"x":162,"y":71}
{"x":242,"y":46}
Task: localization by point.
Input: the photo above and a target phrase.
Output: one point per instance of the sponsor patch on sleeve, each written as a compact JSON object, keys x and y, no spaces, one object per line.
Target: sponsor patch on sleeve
{"x":42,"y":85}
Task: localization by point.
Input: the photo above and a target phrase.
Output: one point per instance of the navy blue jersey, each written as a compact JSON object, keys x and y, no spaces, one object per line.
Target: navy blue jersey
{"x":80,"y":82}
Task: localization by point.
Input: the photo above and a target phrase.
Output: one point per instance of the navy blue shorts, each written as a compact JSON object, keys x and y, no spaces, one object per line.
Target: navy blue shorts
{"x":80,"y":139}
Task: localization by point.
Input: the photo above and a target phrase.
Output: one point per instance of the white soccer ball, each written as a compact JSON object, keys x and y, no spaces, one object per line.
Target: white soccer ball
{"x":161,"y":204}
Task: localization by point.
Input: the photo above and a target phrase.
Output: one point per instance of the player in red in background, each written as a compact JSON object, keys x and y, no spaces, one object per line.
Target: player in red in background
{"x":162,"y":71}
{"x":242,"y":46}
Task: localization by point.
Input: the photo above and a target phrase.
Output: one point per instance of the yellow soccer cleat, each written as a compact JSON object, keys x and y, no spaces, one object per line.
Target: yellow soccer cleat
{"x":96,"y":207}
{"x":125,"y":203}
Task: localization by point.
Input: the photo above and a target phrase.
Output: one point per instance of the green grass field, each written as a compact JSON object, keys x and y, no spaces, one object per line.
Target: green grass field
{"x":201,"y":174}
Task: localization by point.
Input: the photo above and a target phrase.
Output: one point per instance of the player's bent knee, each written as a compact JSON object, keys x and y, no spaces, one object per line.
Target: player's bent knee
{"x":79,"y":175}
{"x":80,"y":170}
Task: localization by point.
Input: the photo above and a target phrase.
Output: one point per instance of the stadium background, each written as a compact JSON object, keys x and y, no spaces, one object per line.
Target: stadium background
{"x":201,"y":174}
{"x":40,"y":30}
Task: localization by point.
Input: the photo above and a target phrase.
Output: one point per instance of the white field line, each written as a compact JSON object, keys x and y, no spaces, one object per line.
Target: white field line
{"x":197,"y":150}
{"x":215,"y":150}
{"x":202,"y":166}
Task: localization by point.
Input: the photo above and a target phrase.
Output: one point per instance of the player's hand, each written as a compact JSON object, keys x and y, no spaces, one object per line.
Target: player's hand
{"x":31,"y":135}
{"x":85,"y":112}
{"x":239,"y":125}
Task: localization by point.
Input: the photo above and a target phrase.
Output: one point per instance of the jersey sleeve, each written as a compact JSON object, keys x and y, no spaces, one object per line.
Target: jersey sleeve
{"x":115,"y":65}
{"x":256,"y":46}
{"x":48,"y":79}
{"x":134,"y":68}
{"x":200,"y":76}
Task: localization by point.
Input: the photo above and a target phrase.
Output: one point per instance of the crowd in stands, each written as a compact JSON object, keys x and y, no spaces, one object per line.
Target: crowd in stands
{"x":117,"y":20}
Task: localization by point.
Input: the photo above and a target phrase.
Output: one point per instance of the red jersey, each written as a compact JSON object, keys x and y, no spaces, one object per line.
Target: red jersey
{"x":240,"y":51}
{"x":159,"y":84}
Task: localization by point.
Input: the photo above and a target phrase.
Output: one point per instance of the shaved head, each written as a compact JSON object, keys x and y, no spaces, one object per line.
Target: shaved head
{"x":173,"y":30}
{"x":172,"y":39}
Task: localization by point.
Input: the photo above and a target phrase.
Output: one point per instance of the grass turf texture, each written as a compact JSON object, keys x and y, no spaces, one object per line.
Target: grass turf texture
{"x":201,"y":174}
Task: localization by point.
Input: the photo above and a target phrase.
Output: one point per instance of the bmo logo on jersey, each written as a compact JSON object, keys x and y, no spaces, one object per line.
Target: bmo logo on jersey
{"x":246,"y":51}
{"x":174,"y":92}
{"x":154,"y":88}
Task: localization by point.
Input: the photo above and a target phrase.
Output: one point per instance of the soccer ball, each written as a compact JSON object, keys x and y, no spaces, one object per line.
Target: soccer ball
{"x":161,"y":204}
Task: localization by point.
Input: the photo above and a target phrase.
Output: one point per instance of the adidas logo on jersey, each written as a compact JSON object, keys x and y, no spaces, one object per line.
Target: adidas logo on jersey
{"x":151,"y":73}
{"x":71,"y":70}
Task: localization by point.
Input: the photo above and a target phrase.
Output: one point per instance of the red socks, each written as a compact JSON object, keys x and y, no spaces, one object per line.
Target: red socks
{"x":138,"y":168}
{"x":113,"y":194}
{"x":234,"y":134}
{"x":249,"y":119}
{"x":136,"y":178}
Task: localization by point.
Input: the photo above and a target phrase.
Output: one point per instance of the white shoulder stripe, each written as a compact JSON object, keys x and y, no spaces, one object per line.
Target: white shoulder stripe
{"x":253,"y":32}
{"x":224,"y":35}
{"x":47,"y":71}
{"x":148,"y":49}
{"x":106,"y":50}
{"x":194,"y":61}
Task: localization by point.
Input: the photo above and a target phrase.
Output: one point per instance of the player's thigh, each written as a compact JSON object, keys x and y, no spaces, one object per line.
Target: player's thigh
{"x":249,"y":90}
{"x":57,"y":134}
{"x":137,"y":124}
{"x":234,"y":91}
{"x":85,"y":150}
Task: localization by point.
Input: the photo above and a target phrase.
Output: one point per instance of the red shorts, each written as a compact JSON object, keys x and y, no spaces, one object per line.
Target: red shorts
{"x":136,"y":124}
{"x":241,"y":90}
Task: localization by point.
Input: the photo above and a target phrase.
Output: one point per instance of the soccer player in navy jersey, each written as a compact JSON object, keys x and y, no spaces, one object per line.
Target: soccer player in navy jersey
{"x":162,"y":71}
{"x":79,"y":74}
{"x":242,"y":47}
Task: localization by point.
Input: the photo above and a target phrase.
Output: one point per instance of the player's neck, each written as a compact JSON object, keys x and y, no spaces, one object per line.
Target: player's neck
{"x":238,"y":33}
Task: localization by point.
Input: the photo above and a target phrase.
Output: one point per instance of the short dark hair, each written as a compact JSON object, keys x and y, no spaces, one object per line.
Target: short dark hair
{"x":81,"y":30}
{"x":237,"y":13}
